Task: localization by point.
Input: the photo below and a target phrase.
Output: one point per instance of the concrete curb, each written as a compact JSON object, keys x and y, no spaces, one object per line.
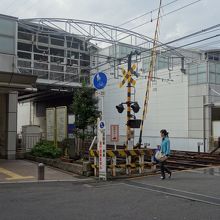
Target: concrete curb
{"x":50,"y":181}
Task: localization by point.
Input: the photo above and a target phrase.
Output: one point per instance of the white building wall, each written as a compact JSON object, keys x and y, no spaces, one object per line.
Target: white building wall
{"x":41,"y":121}
{"x":215,"y":94}
{"x":199,"y":113}
{"x":8,"y":35}
{"x":3,"y":124}
{"x":23,"y":115}
{"x":12,"y":125}
{"x":27,"y":116}
{"x":168,"y":109}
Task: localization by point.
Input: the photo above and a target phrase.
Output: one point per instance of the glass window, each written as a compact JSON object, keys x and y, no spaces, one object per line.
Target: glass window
{"x":202,"y":78}
{"x":162,"y":63}
{"x":211,"y":67}
{"x":24,"y":55}
{"x":216,"y":58}
{"x":193,"y":69}
{"x":54,"y":41}
{"x":24,"y":47}
{"x":43,"y":39}
{"x":202,"y":68}
{"x":25,"y":36}
{"x":210,"y":57}
{"x":212,"y":77}
{"x":214,"y":73}
{"x":218,"y":68}
{"x":7,"y":45}
{"x":7,"y":27}
{"x":217,"y":78}
{"x":146,"y":64}
{"x":193,"y":79}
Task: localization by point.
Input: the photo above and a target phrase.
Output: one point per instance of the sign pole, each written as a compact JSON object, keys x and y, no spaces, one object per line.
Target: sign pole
{"x":102,"y":98}
{"x":99,"y":82}
{"x":102,"y":149}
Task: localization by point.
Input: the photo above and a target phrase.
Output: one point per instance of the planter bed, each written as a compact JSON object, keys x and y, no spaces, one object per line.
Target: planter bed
{"x":83,"y":168}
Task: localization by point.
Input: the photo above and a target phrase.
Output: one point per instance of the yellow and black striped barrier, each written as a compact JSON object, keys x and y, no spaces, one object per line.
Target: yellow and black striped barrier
{"x":137,"y":154}
{"x":122,"y":153}
{"x":132,"y":165}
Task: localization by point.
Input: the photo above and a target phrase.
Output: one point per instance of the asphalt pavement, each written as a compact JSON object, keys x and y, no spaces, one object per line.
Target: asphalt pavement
{"x":192,"y":195}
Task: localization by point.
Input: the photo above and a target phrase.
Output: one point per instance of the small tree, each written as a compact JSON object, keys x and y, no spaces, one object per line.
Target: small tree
{"x":85,"y":108}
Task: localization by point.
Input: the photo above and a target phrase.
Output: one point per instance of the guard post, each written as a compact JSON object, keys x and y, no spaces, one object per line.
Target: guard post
{"x":41,"y":169}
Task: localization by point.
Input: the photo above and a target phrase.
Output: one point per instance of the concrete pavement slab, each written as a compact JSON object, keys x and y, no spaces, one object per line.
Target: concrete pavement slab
{"x":21,"y":170}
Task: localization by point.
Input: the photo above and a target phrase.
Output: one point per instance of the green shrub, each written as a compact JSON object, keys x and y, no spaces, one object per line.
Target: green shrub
{"x":46,"y":149}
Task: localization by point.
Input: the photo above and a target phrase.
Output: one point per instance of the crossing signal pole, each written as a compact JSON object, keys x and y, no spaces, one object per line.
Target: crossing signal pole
{"x":129,"y":103}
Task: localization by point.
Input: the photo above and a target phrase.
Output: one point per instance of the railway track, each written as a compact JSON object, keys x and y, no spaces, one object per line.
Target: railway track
{"x":192,"y":160}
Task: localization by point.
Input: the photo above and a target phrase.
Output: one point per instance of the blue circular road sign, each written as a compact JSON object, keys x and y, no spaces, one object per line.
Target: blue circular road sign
{"x":102,"y":124}
{"x":100,"y":80}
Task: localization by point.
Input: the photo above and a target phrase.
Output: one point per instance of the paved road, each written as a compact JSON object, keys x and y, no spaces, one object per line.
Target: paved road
{"x":192,"y":195}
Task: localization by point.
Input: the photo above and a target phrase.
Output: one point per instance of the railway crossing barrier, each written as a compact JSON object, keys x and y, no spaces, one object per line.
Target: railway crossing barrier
{"x":124,"y":159}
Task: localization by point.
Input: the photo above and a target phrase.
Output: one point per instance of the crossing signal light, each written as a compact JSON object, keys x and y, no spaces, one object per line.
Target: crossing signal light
{"x":134,"y":123}
{"x":135,"y":107}
{"x":120,"y":108}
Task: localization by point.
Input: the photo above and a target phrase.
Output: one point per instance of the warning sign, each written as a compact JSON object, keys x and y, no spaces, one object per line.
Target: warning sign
{"x":101,"y":145}
{"x":114,"y":132}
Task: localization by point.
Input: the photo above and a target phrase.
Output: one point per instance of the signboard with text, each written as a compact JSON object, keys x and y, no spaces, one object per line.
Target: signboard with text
{"x":101,"y":140}
{"x":61,"y":120}
{"x":71,"y":125}
{"x":50,"y":124}
{"x":114,"y":133}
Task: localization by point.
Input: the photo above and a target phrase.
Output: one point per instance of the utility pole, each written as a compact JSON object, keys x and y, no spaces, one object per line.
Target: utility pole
{"x":150,"y":75}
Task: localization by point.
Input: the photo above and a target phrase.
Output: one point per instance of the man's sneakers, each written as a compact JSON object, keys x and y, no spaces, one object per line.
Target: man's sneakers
{"x":162,"y":177}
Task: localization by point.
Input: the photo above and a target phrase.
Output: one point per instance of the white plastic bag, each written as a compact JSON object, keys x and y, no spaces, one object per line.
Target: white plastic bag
{"x":160,"y":156}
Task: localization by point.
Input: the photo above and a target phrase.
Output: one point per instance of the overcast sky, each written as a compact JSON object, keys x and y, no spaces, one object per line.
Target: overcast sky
{"x":199,"y":15}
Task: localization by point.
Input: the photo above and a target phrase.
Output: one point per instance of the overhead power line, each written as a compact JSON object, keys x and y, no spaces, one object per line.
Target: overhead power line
{"x":164,"y":52}
{"x":171,"y":49}
{"x":171,"y":12}
{"x":149,"y":12}
{"x":182,"y":46}
{"x":167,"y":43}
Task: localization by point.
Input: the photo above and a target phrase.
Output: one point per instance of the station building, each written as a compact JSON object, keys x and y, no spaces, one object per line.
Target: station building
{"x":36,"y":71}
{"x":11,"y":82}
